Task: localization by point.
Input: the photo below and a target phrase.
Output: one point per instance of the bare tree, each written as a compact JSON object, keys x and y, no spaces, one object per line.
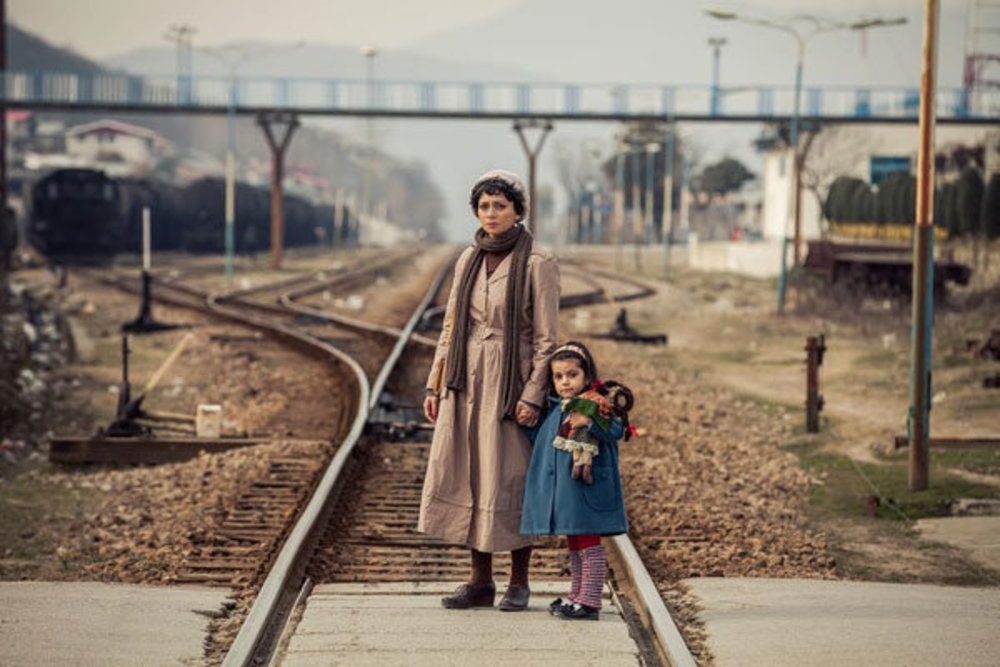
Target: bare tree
{"x":831,"y":152}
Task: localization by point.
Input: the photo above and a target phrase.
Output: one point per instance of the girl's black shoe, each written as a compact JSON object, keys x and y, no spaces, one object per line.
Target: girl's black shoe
{"x":556,"y":606}
{"x":470,"y":595}
{"x":579,"y":612}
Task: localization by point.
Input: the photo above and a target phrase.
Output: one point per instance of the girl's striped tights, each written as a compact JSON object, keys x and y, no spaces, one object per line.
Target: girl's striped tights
{"x":587,"y":565}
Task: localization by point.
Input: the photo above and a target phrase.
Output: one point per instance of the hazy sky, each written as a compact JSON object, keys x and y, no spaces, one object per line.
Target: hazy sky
{"x":99,"y":28}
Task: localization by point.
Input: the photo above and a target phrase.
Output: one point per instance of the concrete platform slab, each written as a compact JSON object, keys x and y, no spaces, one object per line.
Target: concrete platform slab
{"x":778,"y":622}
{"x":73,"y":623}
{"x":978,"y":535}
{"x":404,"y":624}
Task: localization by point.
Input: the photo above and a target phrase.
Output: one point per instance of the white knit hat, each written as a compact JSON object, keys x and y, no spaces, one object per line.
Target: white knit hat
{"x":511,"y":179}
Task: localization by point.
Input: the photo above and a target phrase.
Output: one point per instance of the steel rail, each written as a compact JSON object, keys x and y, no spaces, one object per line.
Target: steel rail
{"x":653,"y":613}
{"x":266,"y":604}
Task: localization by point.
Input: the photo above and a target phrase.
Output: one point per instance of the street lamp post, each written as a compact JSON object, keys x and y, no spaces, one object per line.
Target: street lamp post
{"x":813,"y":26}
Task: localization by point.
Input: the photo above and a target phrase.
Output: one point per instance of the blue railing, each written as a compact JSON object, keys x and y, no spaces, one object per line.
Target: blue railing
{"x":578,"y":100}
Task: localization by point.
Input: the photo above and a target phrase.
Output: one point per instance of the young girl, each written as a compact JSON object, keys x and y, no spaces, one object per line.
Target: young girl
{"x":556,"y":502}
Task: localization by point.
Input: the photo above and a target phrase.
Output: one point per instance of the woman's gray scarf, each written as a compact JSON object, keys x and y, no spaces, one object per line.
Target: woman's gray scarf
{"x":518,"y":239}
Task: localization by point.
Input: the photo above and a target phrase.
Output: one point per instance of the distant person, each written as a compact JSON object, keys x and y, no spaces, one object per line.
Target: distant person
{"x":490,"y":373}
{"x":567,"y":494}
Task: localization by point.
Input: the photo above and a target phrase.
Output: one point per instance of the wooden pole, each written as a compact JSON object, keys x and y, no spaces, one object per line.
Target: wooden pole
{"x":923,"y":265}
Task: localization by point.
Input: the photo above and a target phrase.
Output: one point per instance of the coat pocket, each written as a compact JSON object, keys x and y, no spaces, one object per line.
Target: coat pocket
{"x":601,"y":496}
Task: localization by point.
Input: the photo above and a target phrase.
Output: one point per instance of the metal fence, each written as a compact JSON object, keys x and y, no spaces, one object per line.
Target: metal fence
{"x":573,"y":100}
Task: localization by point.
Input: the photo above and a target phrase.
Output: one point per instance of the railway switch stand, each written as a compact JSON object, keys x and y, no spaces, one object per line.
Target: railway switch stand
{"x":622,"y":331}
{"x":145,"y":323}
{"x":815,"y":347}
{"x":125,"y":424}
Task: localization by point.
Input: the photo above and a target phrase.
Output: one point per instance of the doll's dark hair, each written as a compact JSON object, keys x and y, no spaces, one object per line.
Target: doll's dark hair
{"x":622,"y":402}
{"x":497,"y":186}
{"x":576,"y":351}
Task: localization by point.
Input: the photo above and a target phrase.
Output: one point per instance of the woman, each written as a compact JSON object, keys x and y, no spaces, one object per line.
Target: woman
{"x":489,"y":374}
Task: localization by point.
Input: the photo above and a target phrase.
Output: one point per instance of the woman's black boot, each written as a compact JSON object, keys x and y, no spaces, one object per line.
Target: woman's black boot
{"x":467,"y":596}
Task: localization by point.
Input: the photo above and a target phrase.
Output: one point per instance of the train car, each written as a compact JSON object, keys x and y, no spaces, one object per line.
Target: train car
{"x":75,"y":215}
{"x":880,"y":268}
{"x":83,"y":215}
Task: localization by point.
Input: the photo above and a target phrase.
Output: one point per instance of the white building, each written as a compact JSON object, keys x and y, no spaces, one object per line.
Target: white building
{"x":119,"y":149}
{"x":867,"y":152}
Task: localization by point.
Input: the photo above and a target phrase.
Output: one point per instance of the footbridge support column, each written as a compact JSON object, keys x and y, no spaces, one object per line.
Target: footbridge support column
{"x":273,"y":123}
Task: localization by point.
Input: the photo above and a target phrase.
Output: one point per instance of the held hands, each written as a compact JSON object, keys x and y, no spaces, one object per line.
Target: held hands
{"x":431,"y":409}
{"x":525,"y":414}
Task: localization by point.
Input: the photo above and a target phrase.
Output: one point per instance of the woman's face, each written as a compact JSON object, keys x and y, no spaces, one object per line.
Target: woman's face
{"x":568,"y":377}
{"x":496,"y":214}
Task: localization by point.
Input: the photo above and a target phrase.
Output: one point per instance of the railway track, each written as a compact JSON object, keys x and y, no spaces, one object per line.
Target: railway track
{"x":368,"y":535}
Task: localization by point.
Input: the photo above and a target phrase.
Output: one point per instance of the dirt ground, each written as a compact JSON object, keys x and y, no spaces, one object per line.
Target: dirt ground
{"x":723,"y":479}
{"x":50,"y":512}
{"x":725,"y":335}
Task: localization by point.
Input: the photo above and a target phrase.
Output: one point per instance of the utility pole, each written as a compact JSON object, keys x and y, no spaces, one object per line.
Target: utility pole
{"x":369,"y":52}
{"x":923,"y":263}
{"x":181,"y":35}
{"x":716,"y":43}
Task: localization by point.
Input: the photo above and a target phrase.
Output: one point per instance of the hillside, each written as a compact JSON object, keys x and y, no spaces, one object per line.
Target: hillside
{"x":30,"y":53}
{"x":322,"y":151}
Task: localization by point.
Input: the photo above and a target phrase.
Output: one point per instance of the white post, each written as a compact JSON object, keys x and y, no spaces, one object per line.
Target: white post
{"x":145,"y":239}
{"x":338,"y":214}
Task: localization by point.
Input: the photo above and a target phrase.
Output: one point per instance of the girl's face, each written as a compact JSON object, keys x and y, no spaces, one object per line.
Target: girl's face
{"x":568,"y":377}
{"x":496,"y":214}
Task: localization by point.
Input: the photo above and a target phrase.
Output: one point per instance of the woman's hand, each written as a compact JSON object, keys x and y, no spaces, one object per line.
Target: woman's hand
{"x":431,"y":409}
{"x":579,"y":420}
{"x":525,"y":414}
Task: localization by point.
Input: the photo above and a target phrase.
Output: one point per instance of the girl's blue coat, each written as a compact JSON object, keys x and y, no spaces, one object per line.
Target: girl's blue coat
{"x":557,"y":504}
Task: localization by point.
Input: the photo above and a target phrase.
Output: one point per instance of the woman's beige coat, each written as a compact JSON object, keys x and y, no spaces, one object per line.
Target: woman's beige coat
{"x":475,"y":475}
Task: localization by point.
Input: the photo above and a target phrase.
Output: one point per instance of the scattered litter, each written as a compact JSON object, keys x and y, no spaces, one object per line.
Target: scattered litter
{"x":888,"y":341}
{"x":208,"y":421}
{"x":939,"y":397}
{"x":354,"y":302}
{"x":30,"y":332}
